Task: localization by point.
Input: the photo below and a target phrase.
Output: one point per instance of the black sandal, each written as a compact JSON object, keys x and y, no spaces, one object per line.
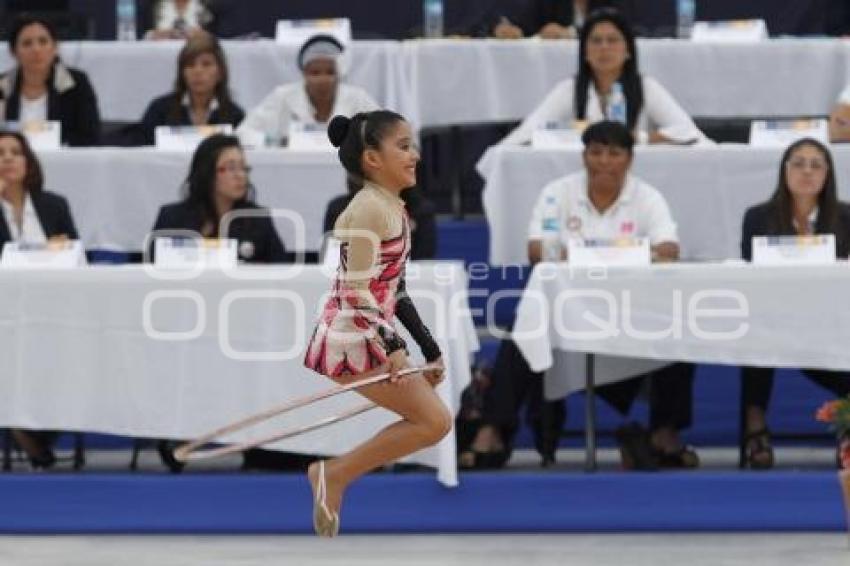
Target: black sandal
{"x":758,"y":453}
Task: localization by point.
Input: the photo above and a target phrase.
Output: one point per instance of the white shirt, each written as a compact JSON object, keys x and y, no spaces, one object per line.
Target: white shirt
{"x":660,"y":112}
{"x":640,"y":211}
{"x":168,"y":16}
{"x":31,"y":230}
{"x":33,"y":110}
{"x":844,"y":97}
{"x":290,"y":102}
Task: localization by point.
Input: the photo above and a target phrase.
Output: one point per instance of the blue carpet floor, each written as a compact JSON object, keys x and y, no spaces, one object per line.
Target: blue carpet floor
{"x":407,"y":503}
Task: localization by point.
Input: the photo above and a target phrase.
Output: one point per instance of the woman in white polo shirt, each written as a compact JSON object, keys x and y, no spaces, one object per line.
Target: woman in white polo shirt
{"x":603,"y":201}
{"x":607,"y":58}
{"x":315,"y":100}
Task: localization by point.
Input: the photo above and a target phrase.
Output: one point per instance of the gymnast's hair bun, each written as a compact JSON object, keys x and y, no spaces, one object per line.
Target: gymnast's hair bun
{"x":338,"y":129}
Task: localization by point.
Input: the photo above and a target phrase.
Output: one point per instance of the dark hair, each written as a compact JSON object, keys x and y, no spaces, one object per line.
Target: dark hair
{"x":24,"y":20}
{"x":607,"y":132}
{"x":33,"y":178}
{"x":194,"y":47}
{"x":356,"y":134}
{"x":782,"y":202}
{"x":199,"y":185}
{"x":320,"y":38}
{"x":629,"y":77}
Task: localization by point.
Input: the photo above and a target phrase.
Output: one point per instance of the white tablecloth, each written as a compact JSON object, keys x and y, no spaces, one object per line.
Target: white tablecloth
{"x":732,"y":313}
{"x":115,"y":193}
{"x":708,"y":190}
{"x":507,"y":79}
{"x":76,"y":354}
{"x":499,"y":80}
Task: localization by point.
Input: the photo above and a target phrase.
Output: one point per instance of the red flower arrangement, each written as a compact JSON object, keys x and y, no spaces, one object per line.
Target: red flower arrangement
{"x":837,"y":414}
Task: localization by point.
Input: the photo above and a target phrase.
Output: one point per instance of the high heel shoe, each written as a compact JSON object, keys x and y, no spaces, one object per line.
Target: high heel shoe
{"x":325,"y":521}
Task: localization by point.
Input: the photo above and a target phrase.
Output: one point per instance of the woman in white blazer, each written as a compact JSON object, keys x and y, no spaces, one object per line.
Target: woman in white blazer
{"x":315,"y":100}
{"x":607,"y":56}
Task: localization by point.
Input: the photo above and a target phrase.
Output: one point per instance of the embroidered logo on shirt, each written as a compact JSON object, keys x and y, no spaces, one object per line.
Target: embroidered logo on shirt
{"x":573,"y":223}
{"x":627,"y":227}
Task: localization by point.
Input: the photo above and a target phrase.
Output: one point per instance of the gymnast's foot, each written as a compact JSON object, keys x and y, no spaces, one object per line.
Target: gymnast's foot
{"x":327,"y":499}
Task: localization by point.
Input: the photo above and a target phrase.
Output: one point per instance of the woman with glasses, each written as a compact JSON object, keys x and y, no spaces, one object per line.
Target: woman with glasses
{"x":608,"y":62}
{"x":804,"y":202}
{"x":217,"y":190}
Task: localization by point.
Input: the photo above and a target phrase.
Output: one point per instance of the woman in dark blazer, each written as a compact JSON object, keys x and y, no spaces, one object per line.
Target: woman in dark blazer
{"x":201,"y":94}
{"x":218,"y":185}
{"x":29,"y":213}
{"x":42,"y":88}
{"x":805,"y":202}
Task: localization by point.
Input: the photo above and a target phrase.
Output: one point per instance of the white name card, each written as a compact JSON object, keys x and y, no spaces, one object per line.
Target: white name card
{"x":308,"y":137}
{"x":194,"y":253}
{"x":41,"y":135}
{"x":556,"y":135}
{"x":794,"y":250}
{"x":731,"y":31}
{"x":186,"y":138}
{"x":608,"y":252}
{"x":64,"y":254}
{"x":781,"y":133}
{"x":296,"y":32}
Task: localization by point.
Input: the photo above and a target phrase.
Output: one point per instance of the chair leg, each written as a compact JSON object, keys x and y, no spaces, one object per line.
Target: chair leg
{"x":134,"y":459}
{"x":742,"y":430}
{"x":7,"y":450}
{"x":79,"y":451}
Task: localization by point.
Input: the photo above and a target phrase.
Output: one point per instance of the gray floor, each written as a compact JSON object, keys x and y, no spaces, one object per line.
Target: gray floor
{"x":591,"y":550}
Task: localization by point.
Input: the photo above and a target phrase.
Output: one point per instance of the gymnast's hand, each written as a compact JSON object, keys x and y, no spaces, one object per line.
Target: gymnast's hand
{"x":396,"y":362}
{"x":437,"y":373}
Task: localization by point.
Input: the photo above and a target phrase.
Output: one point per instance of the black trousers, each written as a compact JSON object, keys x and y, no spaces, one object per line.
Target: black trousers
{"x":757,"y":384}
{"x":514,"y":385}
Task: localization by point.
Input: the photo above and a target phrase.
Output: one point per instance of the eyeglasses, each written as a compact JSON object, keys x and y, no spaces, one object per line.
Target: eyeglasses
{"x":813,"y":164}
{"x":233,"y":168}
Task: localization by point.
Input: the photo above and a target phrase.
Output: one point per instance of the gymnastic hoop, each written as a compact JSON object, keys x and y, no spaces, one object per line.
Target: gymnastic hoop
{"x":192,"y":451}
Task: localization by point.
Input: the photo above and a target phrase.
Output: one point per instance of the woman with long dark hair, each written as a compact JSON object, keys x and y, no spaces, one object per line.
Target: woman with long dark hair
{"x":608,"y":61}
{"x":201,"y":94}
{"x":805,"y":202}
{"x":41,"y":88}
{"x":355,"y":337}
{"x":218,"y":186}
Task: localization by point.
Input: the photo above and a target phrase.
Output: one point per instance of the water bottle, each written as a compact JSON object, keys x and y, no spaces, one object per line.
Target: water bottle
{"x":125,"y":10}
{"x":551,"y":230}
{"x":685,"y":16}
{"x":617,"y":104}
{"x":432,"y":12}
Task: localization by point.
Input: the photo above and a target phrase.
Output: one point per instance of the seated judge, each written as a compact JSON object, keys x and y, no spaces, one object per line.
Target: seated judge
{"x":32,"y":215}
{"x":602,"y":201}
{"x":41,"y":88}
{"x":608,"y":55}
{"x":805,"y":202}
{"x":316,"y":99}
{"x":201,"y":94}
{"x":548,"y":19}
{"x":218,"y":186}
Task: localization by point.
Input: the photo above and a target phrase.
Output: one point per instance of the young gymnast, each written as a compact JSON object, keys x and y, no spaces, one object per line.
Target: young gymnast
{"x":355,"y":338}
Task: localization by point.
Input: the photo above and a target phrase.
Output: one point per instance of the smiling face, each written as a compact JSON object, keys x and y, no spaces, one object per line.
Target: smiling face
{"x":606,"y":49}
{"x":35,"y":49}
{"x":393,"y":163}
{"x":806,"y":170}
